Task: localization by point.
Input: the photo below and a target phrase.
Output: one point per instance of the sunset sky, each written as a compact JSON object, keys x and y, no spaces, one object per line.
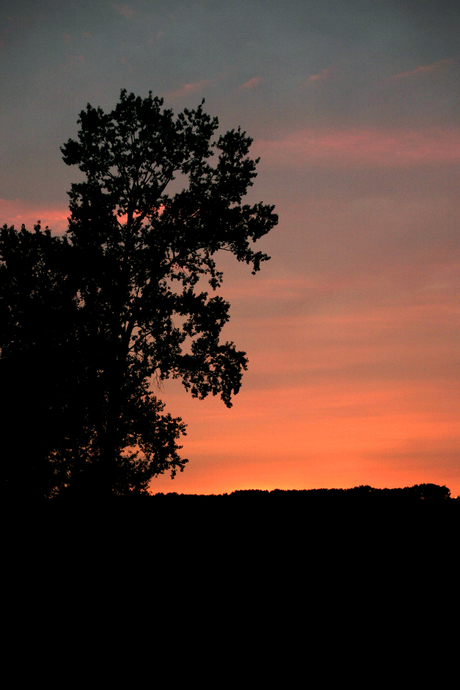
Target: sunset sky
{"x":353,"y":328}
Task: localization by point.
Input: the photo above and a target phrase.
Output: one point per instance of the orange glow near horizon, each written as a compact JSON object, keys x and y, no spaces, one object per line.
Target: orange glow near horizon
{"x":17,"y":212}
{"x":352,"y":329}
{"x":322,"y":436}
{"x":352,"y":391}
{"x":353,"y":364}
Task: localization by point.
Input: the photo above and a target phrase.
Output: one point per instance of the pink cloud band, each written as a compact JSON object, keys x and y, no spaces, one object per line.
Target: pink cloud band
{"x":349,"y":148}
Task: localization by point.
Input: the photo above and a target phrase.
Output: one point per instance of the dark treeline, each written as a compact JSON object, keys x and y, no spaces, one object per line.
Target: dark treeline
{"x":357,"y":494}
{"x":332,"y":506}
{"x":363,"y":495}
{"x":420,"y":503}
{"x":322,"y":531}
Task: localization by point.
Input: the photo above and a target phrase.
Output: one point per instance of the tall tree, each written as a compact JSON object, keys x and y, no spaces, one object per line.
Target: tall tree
{"x":135,"y":258}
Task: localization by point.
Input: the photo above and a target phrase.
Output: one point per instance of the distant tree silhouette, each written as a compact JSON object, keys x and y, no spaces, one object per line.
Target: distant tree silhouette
{"x":90,"y":319}
{"x":429,"y":492}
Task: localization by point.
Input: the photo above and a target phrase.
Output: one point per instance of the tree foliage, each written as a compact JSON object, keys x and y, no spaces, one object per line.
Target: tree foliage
{"x":119,"y":300}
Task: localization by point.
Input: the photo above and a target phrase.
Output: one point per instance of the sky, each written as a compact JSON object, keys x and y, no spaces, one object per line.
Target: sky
{"x":352,"y":329}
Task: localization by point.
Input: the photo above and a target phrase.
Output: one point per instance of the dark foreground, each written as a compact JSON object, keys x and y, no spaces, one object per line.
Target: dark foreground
{"x":313,"y":575}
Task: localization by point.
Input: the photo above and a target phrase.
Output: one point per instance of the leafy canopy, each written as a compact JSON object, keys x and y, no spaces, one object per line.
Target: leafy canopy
{"x":131,"y":270}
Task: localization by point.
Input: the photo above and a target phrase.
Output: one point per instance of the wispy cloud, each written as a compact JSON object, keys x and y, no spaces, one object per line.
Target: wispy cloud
{"x":425,"y":70}
{"x":324,"y":74}
{"x":126,"y":10}
{"x":251,"y":84}
{"x":350,"y":148}
{"x":188,"y":88}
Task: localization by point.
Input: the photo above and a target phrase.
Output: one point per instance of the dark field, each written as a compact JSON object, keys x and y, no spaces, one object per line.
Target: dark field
{"x":335,"y":569}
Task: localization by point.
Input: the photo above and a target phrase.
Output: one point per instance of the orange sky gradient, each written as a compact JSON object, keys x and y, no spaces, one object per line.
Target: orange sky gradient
{"x":352,"y":330}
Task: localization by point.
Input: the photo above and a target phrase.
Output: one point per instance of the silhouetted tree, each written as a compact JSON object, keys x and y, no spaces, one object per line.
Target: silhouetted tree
{"x":38,"y":362}
{"x":118,"y":300}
